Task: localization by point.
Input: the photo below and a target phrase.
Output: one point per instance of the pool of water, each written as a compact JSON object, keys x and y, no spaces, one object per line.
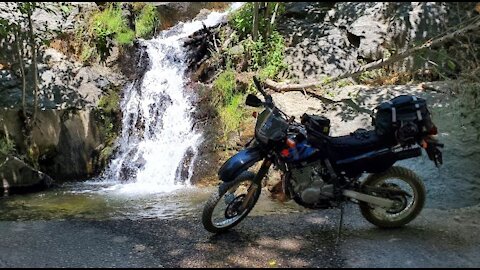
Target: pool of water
{"x":101,"y":201}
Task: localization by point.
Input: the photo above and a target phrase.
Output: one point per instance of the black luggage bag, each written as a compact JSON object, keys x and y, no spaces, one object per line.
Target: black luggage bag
{"x":404,"y":119}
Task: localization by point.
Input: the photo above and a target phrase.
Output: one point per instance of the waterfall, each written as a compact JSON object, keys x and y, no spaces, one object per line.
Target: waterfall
{"x":158,"y":145}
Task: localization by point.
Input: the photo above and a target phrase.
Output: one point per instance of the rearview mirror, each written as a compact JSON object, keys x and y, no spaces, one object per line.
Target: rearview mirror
{"x":253,"y":101}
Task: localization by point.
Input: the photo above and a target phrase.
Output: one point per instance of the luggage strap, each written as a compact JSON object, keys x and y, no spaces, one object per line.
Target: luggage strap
{"x":419,"y":114}
{"x":394,"y":112}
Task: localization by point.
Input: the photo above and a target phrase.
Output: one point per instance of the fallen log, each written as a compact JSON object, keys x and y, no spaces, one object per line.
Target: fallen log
{"x":282,"y":87}
{"x":306,"y":89}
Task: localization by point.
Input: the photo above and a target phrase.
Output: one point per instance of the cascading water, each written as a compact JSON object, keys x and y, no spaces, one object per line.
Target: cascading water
{"x":158,"y":144}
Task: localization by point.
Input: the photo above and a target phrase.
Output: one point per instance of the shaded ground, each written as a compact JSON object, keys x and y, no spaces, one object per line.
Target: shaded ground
{"x":437,"y":238}
{"x":446,"y":234}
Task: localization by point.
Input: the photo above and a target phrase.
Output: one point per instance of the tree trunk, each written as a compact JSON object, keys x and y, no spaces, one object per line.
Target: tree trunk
{"x":268,"y":11}
{"x":272,"y":21}
{"x":22,"y":72}
{"x":34,"y":65}
{"x":256,"y":6}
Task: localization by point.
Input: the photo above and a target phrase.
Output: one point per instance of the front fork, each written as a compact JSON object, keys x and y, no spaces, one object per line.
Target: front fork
{"x":257,"y":182}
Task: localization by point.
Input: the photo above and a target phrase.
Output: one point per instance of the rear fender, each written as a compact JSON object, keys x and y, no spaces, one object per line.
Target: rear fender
{"x":240,"y":162}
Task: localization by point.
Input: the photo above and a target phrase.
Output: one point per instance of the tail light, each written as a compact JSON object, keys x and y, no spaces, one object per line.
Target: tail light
{"x":433,"y":130}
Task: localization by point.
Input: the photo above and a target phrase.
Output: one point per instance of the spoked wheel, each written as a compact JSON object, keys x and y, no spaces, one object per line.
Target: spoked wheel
{"x":227,"y":206}
{"x":402,"y":186}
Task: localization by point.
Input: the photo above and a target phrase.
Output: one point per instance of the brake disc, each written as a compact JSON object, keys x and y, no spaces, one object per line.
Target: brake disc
{"x":234,"y":207}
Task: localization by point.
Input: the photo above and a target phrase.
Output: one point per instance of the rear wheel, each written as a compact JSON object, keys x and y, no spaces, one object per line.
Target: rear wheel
{"x":402,"y":186}
{"x":225,"y":208}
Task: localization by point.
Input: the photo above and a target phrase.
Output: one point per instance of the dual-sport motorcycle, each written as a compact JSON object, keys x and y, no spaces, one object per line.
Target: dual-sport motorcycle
{"x":320,"y":171}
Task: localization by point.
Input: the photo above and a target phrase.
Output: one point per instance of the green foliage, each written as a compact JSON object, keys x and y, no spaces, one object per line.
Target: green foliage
{"x":267,"y":57}
{"x":370,"y":75}
{"x":224,"y":88}
{"x":266,"y":54}
{"x":109,"y":102}
{"x":87,"y":52}
{"x":242,"y":20}
{"x":343,"y":83}
{"x":227,"y":101}
{"x":232,"y":114}
{"x":146,"y":21}
{"x":274,"y":60}
{"x":107,"y":25}
{"x":125,"y":38}
{"x":7,"y":146}
{"x":107,"y":117}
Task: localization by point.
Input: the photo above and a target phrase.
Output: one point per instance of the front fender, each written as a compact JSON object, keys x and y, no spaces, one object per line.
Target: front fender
{"x":239,"y":163}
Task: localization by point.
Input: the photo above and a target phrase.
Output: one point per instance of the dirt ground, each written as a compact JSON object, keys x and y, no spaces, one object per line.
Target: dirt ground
{"x":437,"y":238}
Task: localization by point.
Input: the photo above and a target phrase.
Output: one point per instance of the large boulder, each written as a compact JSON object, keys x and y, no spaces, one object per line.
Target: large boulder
{"x":63,"y":83}
{"x":171,"y":13}
{"x":18,"y":177}
{"x":331,"y":39}
{"x":68,"y":142}
{"x":76,"y":119}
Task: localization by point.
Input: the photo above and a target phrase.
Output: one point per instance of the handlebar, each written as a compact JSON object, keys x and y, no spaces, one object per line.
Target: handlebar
{"x":269,"y":101}
{"x":259,"y":87}
{"x":268,"y":98}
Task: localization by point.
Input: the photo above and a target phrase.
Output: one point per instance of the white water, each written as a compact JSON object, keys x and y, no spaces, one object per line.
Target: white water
{"x":157,"y":130}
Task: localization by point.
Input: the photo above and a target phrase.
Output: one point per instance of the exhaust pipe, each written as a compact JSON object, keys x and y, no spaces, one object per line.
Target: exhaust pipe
{"x":382,"y":202}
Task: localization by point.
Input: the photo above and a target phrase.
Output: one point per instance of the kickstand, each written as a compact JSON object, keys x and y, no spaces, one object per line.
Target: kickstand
{"x":340,"y":223}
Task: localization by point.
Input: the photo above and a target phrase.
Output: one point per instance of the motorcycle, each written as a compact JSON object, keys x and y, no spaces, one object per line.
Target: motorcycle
{"x":320,"y":171}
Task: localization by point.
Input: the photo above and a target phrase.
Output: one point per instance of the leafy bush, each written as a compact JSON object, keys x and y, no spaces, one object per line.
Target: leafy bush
{"x":146,"y":21}
{"x":110,"y":23}
{"x":227,"y":101}
{"x":265,"y":56}
{"x":232,"y":114}
{"x":274,"y":60}
{"x":224,"y":87}
{"x":104,"y":28}
{"x":267,"y":52}
{"x":242,"y":19}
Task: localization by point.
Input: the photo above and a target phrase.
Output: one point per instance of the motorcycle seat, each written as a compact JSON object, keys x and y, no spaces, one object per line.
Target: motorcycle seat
{"x":357,"y":143}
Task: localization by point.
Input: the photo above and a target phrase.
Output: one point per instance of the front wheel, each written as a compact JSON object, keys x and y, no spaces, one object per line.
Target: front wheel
{"x":227,"y":206}
{"x":402,"y":186}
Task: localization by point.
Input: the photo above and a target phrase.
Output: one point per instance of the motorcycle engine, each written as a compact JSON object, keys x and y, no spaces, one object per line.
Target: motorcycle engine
{"x":308,"y":184}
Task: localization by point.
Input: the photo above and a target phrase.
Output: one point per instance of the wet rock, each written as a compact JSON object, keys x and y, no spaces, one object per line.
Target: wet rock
{"x":134,"y":62}
{"x":18,"y":177}
{"x":174,"y":12}
{"x":68,"y":141}
{"x":183,"y":170}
